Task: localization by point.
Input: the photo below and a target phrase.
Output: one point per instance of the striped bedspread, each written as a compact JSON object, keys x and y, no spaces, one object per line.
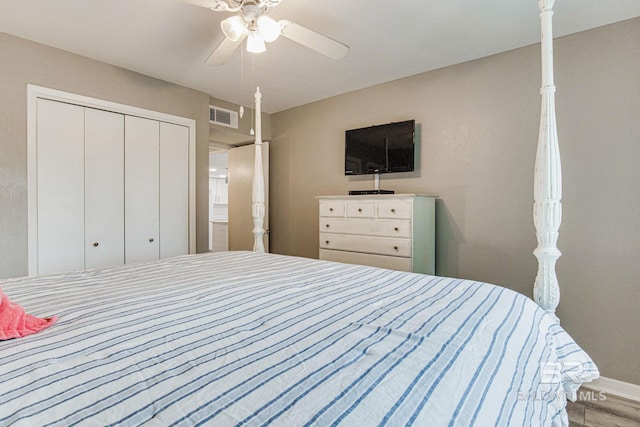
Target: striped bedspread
{"x":240,"y":338}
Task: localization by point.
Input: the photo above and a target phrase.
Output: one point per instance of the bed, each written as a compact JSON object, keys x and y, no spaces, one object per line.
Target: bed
{"x":251,"y":338}
{"x":201,"y":339}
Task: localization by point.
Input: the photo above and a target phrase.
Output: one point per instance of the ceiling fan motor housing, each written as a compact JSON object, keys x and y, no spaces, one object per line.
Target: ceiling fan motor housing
{"x":237,"y":5}
{"x":251,"y":11}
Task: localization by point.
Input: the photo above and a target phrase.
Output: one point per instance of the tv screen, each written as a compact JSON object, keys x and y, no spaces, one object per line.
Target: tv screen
{"x":380,"y":149}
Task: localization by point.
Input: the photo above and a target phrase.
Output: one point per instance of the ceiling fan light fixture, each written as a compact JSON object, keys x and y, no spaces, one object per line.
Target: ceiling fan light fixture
{"x":269,"y":29}
{"x":255,"y":43}
{"x":233,"y":27}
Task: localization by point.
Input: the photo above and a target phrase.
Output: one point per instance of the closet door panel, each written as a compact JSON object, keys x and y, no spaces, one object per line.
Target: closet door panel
{"x":60,"y":177}
{"x":174,"y":190}
{"x":142,"y":199}
{"x":104,"y":188}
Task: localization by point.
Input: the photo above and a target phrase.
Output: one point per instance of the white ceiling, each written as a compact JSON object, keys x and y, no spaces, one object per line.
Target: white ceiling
{"x":170,"y":40}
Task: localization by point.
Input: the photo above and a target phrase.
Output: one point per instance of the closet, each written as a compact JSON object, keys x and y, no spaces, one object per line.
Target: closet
{"x":110,"y":188}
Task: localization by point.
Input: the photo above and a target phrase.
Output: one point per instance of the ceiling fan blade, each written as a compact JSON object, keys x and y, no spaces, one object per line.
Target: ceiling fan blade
{"x":210,"y":4}
{"x":224,"y":51}
{"x":316,"y":41}
{"x":203,"y":3}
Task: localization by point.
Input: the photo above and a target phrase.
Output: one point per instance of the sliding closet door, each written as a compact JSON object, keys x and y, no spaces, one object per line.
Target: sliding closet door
{"x":174,"y":190}
{"x":60,"y":188}
{"x":108,"y":183}
{"x":142,"y":199}
{"x":104,"y":188}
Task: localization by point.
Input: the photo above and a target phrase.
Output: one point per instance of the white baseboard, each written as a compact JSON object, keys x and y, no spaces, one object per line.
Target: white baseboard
{"x":615,"y":387}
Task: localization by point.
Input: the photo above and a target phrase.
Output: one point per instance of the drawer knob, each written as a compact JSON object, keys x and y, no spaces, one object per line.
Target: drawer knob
{"x":395,"y":228}
{"x":326,"y":241}
{"x":96,"y":244}
{"x":330,"y":209}
{"x":359,"y":209}
{"x":151,"y":240}
{"x":393,"y":210}
{"x":327,"y":225}
{"x":395,"y":248}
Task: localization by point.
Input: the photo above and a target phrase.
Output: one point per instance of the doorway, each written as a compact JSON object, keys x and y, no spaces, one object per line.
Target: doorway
{"x":230,"y":188}
{"x":218,"y":200}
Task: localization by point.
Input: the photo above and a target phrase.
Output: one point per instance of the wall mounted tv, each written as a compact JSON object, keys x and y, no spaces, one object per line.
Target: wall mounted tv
{"x":380,"y":149}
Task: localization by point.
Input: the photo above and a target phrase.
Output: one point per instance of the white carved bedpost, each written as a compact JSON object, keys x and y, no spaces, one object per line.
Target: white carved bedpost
{"x":257,"y":193}
{"x":547,"y":187}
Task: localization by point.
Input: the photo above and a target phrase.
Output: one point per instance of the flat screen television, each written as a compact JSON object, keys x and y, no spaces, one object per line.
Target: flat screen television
{"x":380,"y":149}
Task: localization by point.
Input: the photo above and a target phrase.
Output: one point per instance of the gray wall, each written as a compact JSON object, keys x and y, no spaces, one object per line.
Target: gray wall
{"x":478,"y":127}
{"x":23,"y":62}
{"x":229,"y":137}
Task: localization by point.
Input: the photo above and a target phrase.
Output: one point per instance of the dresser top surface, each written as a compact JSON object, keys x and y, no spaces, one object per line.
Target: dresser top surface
{"x":375,"y":196}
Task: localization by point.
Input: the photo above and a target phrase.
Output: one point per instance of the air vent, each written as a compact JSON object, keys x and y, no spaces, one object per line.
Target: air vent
{"x":223,"y":117}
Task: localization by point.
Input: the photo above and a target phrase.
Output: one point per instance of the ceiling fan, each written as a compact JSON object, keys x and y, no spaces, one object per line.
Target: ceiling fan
{"x":252,"y":22}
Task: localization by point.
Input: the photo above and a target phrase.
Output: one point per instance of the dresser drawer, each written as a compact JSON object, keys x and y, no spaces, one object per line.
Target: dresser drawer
{"x":361,"y":209}
{"x":380,"y":261}
{"x":400,"y":209}
{"x":368,"y":227}
{"x":332,"y":208}
{"x":371,"y":244}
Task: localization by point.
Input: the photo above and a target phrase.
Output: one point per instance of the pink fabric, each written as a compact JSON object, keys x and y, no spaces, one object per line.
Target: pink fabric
{"x":15,"y":323}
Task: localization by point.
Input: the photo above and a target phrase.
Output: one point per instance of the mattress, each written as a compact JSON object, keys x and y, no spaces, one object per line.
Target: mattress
{"x":241,"y":338}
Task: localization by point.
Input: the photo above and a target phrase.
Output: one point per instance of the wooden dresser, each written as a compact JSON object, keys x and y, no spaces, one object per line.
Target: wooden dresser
{"x":395,"y":231}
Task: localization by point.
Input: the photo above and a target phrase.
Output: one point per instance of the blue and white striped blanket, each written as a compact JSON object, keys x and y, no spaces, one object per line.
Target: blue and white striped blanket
{"x":243,"y":338}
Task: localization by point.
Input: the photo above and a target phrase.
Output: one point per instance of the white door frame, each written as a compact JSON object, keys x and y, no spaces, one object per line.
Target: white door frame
{"x":33,"y":93}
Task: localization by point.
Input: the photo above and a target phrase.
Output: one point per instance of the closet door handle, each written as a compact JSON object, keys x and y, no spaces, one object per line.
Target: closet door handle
{"x":96,"y":244}
{"x":151,"y":240}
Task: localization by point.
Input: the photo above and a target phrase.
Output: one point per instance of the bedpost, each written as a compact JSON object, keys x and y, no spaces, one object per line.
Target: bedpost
{"x":257,"y":193}
{"x":547,"y":187}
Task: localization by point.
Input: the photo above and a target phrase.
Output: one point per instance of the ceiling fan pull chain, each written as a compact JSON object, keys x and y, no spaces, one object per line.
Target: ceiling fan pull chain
{"x":252,"y":132}
{"x":241,"y":110}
